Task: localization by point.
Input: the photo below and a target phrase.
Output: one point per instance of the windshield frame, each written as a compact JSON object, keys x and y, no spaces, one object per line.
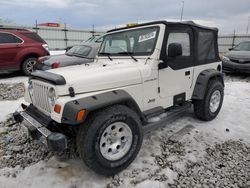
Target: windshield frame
{"x":157,"y":27}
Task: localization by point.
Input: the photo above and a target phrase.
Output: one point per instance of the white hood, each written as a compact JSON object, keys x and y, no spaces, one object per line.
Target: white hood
{"x":98,"y":76}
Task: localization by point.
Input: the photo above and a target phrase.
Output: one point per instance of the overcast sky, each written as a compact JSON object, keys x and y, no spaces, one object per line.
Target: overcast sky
{"x":227,"y":15}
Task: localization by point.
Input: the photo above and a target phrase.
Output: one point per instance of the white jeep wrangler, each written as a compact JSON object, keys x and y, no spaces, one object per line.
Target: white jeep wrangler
{"x":144,"y":77}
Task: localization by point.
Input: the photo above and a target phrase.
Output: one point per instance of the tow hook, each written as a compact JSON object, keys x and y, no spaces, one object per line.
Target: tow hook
{"x":17,"y":117}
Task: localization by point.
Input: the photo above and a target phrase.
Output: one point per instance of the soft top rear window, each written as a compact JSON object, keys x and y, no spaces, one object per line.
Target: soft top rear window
{"x":34,"y":37}
{"x":206,"y":46}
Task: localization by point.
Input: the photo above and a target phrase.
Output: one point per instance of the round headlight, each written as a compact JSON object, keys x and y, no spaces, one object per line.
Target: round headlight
{"x":30,"y":89}
{"x":52,"y":96}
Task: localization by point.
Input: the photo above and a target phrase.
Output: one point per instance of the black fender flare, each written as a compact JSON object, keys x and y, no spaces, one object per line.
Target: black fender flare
{"x":97,"y":102}
{"x":202,"y":82}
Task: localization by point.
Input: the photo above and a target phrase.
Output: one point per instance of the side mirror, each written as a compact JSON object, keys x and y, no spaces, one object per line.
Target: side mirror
{"x":231,"y":48}
{"x":174,"y":50}
{"x":162,"y":65}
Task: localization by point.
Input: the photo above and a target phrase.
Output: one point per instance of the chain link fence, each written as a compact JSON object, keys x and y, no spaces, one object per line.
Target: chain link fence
{"x":228,"y":41}
{"x":62,"y":37}
{"x":59,"y":38}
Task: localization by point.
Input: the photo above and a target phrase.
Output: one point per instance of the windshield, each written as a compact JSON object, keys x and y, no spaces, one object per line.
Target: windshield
{"x":244,"y":46}
{"x":80,"y":50}
{"x":137,"y":42}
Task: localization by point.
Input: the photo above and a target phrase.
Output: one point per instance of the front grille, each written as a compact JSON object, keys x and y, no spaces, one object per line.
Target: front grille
{"x":40,"y":96}
{"x":239,"y":61}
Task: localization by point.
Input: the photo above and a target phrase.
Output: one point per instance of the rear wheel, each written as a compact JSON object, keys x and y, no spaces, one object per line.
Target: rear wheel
{"x":208,"y":108}
{"x":110,"y":139}
{"x":28,"y":65}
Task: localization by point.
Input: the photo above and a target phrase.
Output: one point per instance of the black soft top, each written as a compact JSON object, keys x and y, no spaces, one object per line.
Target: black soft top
{"x":187,"y":23}
{"x":204,"y":40}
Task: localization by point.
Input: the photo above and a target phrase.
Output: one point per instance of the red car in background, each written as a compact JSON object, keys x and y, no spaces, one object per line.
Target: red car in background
{"x":20,"y":49}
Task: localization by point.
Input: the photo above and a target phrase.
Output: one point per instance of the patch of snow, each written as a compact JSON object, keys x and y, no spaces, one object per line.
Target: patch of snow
{"x":151,"y":184}
{"x":57,"y":52}
{"x":7,"y":107}
{"x":16,"y":79}
{"x":234,"y":115}
{"x":55,"y":174}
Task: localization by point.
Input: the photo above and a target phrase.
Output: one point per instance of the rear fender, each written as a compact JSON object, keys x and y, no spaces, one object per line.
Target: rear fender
{"x":202,"y":82}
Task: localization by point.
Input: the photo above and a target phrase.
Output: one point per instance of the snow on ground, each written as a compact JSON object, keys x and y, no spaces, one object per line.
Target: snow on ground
{"x":56,"y":52}
{"x":13,"y":79}
{"x":7,"y":107}
{"x":147,"y":170}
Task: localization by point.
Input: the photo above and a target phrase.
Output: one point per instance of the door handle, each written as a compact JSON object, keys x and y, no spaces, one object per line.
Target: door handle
{"x":187,"y":73}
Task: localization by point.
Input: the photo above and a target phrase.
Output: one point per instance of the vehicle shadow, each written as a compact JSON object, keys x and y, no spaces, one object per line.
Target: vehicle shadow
{"x":239,"y":75}
{"x":4,"y":75}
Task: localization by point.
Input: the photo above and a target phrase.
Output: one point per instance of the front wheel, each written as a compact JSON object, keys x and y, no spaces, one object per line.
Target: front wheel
{"x":110,"y":139}
{"x":28,"y":65}
{"x":208,"y":108}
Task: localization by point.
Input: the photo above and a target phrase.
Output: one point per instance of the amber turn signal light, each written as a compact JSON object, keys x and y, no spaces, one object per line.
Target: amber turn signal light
{"x":57,"y":108}
{"x":80,"y":115}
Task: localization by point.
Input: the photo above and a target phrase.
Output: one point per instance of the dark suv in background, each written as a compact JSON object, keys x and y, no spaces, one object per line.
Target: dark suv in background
{"x":19,"y":50}
{"x":237,"y":59}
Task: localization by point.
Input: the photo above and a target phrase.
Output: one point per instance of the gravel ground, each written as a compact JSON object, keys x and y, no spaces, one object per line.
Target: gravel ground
{"x":17,"y":148}
{"x":226,"y":164}
{"x":11,"y":91}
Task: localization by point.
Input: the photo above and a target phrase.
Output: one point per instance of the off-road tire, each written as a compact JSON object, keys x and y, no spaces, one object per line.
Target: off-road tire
{"x":201,"y":107}
{"x":25,"y":65}
{"x":89,"y":135}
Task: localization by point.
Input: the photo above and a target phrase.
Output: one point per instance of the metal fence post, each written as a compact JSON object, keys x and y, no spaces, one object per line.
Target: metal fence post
{"x":36,"y":27}
{"x":233,"y":39}
{"x":65,"y":35}
{"x":93,"y":30}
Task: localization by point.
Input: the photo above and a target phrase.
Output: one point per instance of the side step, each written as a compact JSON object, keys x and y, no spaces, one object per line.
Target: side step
{"x":166,"y":118}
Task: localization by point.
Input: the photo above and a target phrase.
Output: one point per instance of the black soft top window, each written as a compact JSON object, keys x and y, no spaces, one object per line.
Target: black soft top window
{"x":206,"y":46}
{"x":8,"y":38}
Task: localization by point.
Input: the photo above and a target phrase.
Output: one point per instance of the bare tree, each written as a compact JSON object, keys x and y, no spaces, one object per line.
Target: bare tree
{"x":6,"y":21}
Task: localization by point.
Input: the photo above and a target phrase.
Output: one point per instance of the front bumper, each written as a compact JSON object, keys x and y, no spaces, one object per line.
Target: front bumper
{"x":235,"y":67}
{"x":39,"y":130}
{"x":41,"y":66}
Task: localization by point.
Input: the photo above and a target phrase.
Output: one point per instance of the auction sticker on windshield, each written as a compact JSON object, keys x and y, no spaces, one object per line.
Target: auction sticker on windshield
{"x":147,"y":36}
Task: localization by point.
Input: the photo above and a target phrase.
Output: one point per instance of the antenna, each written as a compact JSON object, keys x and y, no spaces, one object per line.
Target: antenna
{"x":182,"y":9}
{"x":248,"y":24}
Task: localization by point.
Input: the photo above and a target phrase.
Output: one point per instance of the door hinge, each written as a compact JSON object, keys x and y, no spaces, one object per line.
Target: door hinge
{"x":159,"y":89}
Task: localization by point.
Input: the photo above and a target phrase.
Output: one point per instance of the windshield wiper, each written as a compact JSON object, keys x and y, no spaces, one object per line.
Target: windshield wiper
{"x":130,"y":54}
{"x":107,"y":54}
